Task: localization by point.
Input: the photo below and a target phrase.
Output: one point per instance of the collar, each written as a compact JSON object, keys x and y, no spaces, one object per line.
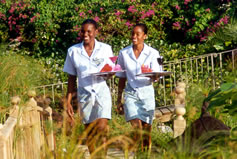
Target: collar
{"x":145,"y":50}
{"x":83,"y":51}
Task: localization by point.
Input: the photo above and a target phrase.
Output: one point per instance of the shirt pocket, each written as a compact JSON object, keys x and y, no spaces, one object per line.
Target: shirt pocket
{"x":98,"y":61}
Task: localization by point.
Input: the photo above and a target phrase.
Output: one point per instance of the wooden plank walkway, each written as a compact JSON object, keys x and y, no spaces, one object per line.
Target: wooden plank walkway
{"x":164,"y":114}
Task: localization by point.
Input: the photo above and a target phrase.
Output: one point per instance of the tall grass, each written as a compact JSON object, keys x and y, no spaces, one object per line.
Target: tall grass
{"x":18,"y":74}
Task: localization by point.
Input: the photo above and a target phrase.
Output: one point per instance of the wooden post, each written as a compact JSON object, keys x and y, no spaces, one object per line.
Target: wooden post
{"x":179,"y":122}
{"x":7,"y":132}
{"x":50,"y":135}
{"x":28,"y":143}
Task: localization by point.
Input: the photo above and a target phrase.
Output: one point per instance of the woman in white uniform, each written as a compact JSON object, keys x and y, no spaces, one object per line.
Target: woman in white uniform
{"x":139,"y":96}
{"x":93,"y":94}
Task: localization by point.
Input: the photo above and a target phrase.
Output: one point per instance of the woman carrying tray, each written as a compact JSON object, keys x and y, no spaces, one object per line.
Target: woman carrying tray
{"x":93,"y":94}
{"x":139,"y":99}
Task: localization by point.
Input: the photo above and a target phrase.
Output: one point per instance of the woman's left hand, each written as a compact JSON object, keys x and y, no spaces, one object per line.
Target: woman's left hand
{"x":155,"y":78}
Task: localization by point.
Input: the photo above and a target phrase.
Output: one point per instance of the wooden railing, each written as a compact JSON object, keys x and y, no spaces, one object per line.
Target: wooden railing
{"x":208,"y":67}
{"x":24,"y":134}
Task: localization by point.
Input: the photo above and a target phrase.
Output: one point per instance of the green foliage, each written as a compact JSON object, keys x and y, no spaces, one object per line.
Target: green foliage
{"x":47,"y":28}
{"x":225,"y":37}
{"x":196,"y":93}
{"x":224,"y":98}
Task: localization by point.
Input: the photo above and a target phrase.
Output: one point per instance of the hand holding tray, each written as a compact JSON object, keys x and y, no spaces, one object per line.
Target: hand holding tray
{"x":154,"y":74}
{"x":105,"y":73}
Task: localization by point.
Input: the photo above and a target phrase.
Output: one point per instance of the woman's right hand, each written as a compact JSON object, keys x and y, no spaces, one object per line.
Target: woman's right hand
{"x":70,"y":111}
{"x":120,"y":109}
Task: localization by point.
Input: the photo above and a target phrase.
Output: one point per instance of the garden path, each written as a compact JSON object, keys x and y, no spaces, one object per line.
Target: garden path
{"x":113,"y":153}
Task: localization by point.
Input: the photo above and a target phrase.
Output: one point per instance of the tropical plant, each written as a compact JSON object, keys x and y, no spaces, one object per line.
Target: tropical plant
{"x":225,"y":37}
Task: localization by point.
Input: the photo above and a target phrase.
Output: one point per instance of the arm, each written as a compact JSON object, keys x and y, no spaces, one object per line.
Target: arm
{"x":70,"y":90}
{"x":121,"y":86}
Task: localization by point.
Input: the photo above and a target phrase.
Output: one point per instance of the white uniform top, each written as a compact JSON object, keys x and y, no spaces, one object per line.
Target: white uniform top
{"x":92,"y":90}
{"x":128,"y":62}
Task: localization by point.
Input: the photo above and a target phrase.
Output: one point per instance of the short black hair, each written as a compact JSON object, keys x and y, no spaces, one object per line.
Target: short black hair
{"x":90,"y":21}
{"x":143,"y":27}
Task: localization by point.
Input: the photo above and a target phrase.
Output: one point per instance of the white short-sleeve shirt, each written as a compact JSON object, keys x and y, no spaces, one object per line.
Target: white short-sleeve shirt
{"x":93,"y":93}
{"x":128,"y":62}
{"x":78,"y":62}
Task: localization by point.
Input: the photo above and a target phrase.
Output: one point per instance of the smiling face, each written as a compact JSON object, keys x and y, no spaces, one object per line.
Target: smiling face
{"x":88,"y":33}
{"x":138,"y":35}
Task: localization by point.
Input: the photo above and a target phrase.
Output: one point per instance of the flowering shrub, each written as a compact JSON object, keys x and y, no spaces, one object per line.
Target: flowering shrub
{"x":47,"y":28}
{"x":193,"y":21}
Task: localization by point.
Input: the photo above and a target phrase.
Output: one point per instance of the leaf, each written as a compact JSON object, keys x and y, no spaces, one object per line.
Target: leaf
{"x":216,"y":103}
{"x":212,"y":94}
{"x":228,"y":43}
{"x":233,"y":112}
{"x":218,"y":47}
{"x":227,"y":86}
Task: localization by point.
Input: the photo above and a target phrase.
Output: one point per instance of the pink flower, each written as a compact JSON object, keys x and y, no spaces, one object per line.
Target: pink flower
{"x":24,"y":16}
{"x":101,"y":9}
{"x":128,"y":24}
{"x":187,"y":22}
{"x":143,"y":16}
{"x":208,"y":10}
{"x":57,"y":41}
{"x":176,"y":25}
{"x":177,"y":7}
{"x":187,"y":1}
{"x":132,"y":9}
{"x":203,"y":39}
{"x":89,"y":11}
{"x":82,"y":14}
{"x":224,"y":20}
{"x":32,"y":19}
{"x":19,"y":38}
{"x":33,"y":40}
{"x":118,"y":13}
{"x":11,"y":10}
{"x":150,"y":12}
{"x":96,"y":18}
{"x":2,"y":16}
{"x":153,"y":4}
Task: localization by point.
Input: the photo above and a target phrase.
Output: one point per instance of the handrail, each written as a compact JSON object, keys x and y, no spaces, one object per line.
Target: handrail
{"x":190,"y":70}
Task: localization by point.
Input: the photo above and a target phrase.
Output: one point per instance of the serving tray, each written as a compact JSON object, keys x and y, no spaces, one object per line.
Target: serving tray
{"x":154,"y":74}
